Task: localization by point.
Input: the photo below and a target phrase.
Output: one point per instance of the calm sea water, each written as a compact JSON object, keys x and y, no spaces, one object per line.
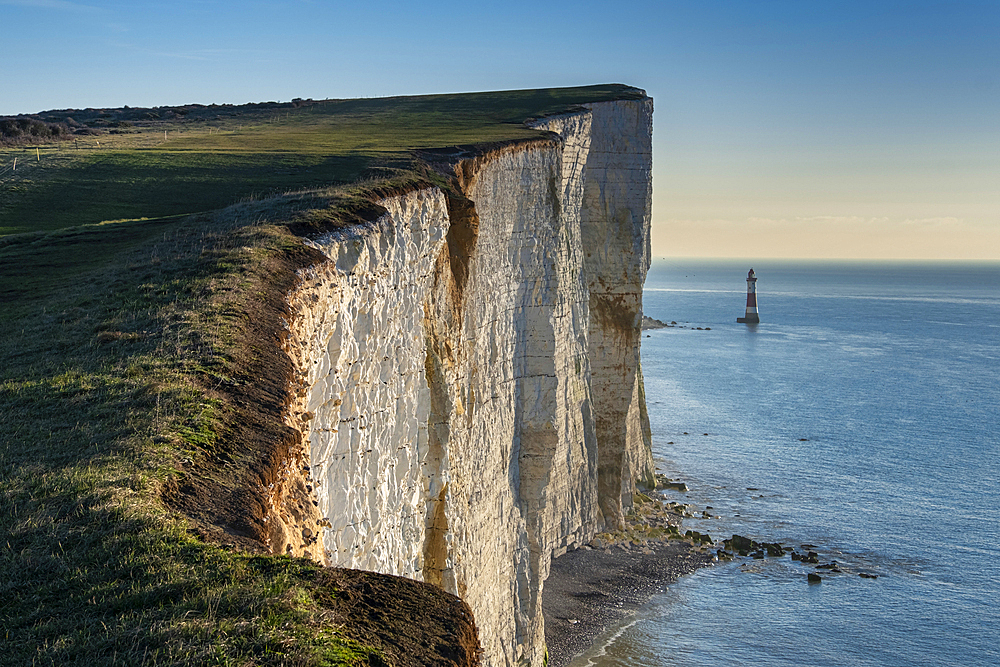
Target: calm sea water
{"x":860,"y":416}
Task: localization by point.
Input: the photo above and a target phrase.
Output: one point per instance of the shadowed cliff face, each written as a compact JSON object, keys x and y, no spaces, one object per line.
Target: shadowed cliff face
{"x":469,"y":370}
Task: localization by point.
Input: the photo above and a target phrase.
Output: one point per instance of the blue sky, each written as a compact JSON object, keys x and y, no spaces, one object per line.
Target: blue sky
{"x":794,"y":129}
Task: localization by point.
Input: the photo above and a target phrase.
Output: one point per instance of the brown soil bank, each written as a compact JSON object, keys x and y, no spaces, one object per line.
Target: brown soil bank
{"x":404,"y":621}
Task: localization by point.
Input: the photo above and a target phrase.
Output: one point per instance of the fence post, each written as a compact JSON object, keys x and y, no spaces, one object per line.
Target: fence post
{"x":15,"y":165}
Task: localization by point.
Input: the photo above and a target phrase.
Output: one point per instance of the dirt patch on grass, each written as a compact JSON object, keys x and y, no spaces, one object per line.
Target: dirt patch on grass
{"x":407,"y":622}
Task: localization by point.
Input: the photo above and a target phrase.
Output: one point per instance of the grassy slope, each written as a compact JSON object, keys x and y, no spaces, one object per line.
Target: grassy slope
{"x":110,"y":337}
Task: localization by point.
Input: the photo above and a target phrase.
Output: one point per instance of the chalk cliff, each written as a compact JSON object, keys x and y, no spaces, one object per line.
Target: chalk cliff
{"x":468,"y":377}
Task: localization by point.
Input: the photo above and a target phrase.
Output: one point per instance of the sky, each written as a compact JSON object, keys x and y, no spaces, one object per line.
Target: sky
{"x":858,"y":130}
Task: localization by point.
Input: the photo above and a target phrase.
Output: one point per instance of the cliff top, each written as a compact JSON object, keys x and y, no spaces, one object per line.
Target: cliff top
{"x":144,"y":257}
{"x":192,"y":158}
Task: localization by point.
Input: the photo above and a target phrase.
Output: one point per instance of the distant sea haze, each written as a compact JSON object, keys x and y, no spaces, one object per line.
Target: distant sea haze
{"x":859,"y":418}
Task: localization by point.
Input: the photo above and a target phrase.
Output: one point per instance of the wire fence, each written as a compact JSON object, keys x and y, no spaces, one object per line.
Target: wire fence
{"x":13,"y":164}
{"x":18,"y":161}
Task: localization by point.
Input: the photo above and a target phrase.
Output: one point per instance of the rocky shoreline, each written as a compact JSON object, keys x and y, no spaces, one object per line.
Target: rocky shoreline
{"x":595,"y":587}
{"x":589,"y":591}
{"x":592,"y":588}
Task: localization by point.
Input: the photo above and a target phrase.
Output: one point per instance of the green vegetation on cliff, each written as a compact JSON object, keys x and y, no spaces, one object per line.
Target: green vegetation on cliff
{"x":143,"y":264}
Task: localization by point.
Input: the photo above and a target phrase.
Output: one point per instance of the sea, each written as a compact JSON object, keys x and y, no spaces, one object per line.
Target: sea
{"x":858,"y":420}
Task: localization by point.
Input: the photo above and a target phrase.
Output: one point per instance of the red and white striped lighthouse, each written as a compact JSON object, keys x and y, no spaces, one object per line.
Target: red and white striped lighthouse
{"x":752,"y":317}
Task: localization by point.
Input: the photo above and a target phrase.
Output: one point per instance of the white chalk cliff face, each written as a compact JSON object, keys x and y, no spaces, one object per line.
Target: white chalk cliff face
{"x":469,"y":380}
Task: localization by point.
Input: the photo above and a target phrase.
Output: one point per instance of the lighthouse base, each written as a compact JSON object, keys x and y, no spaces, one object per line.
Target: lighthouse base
{"x":749,"y":319}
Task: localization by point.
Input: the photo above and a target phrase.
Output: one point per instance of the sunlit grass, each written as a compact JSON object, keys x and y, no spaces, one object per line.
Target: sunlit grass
{"x":100,"y":407}
{"x":121,"y":293}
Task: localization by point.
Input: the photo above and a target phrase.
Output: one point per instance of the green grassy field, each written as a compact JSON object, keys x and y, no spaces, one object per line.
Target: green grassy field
{"x":127,"y":272}
{"x":208,"y":163}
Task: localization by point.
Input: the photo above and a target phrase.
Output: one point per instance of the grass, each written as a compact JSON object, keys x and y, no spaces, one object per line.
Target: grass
{"x":127,"y":273}
{"x":102,"y":407}
{"x":210,"y":163}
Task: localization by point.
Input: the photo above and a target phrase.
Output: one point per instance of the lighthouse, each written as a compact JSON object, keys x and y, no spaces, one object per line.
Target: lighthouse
{"x":751,"y":317}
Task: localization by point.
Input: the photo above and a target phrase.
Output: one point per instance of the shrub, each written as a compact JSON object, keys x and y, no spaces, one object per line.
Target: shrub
{"x":25,"y":130}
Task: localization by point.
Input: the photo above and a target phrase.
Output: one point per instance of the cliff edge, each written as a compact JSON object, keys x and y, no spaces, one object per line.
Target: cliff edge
{"x":319,"y":382}
{"x":467,"y":370}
